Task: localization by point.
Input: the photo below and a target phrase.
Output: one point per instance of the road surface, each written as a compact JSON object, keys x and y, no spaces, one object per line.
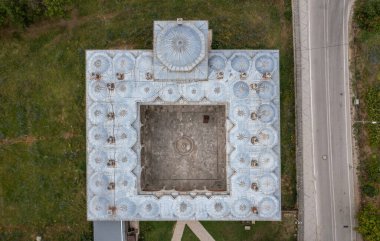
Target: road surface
{"x":323,"y":99}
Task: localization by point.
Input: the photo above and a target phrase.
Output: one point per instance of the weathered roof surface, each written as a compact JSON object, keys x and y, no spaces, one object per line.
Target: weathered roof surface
{"x":247,"y":81}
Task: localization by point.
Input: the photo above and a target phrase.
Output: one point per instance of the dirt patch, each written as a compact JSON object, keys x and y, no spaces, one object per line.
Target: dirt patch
{"x":22,"y":139}
{"x":44,"y":26}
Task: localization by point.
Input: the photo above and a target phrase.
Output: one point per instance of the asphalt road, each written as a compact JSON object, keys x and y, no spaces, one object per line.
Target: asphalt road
{"x":330,"y":190}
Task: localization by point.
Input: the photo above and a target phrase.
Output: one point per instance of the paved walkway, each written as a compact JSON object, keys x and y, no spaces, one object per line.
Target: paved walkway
{"x":178,"y":230}
{"x":195,"y":226}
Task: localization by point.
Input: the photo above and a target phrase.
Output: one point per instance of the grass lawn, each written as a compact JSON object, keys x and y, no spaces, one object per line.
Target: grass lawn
{"x":42,"y":96}
{"x":156,"y":231}
{"x":261,"y":231}
{"x":188,"y":235}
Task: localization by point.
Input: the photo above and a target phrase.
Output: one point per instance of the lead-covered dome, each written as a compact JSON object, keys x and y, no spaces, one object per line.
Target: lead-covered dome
{"x":180,"y":47}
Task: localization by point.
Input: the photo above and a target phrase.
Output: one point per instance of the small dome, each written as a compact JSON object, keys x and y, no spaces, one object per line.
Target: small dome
{"x":268,"y":184}
{"x":124,"y":89}
{"x":218,"y":208}
{"x":99,"y":63}
{"x":145,"y":63}
{"x":267,"y":161}
{"x":99,"y":206}
{"x":239,"y":136}
{"x":194,"y":92}
{"x":184,"y":209}
{"x":217,"y":62}
{"x":125,"y":136}
{"x":180,"y":47}
{"x":124,"y":63}
{"x":124,"y":181}
{"x":240,"y":63}
{"x":267,"y":136}
{"x":240,"y":113}
{"x":125,"y":114}
{"x":149,"y":209}
{"x":147,"y":91}
{"x":97,"y":113}
{"x":266,"y":113}
{"x":170,"y":93}
{"x":98,"y":159}
{"x":242,"y":182}
{"x":97,"y":136}
{"x":265,"y":64}
{"x":126,"y":208}
{"x":126,"y":160}
{"x":216,"y":92}
{"x":98,"y":91}
{"x":99,"y":182}
{"x":241,"y":89}
{"x":241,"y":208}
{"x":267,"y":90}
{"x":268,"y":206}
{"x":240,"y":160}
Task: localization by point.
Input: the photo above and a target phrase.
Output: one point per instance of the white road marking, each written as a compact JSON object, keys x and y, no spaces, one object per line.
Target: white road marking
{"x":329,"y":137}
{"x":347,"y":121}
{"x":312,"y":126}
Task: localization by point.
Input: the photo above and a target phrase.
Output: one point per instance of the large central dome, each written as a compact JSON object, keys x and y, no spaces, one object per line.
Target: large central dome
{"x":180,"y":47}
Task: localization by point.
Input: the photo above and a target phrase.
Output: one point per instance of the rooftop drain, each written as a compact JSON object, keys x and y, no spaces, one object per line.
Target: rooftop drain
{"x":111,"y":86}
{"x":120,"y":76}
{"x":254,"y":163}
{"x":111,"y":163}
{"x":111,"y":140}
{"x":267,"y":76}
{"x":254,"y":140}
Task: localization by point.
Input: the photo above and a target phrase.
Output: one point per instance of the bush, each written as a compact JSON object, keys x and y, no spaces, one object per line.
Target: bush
{"x":372,"y":99}
{"x":371,"y":169}
{"x":20,"y":12}
{"x":25,"y":12}
{"x":56,"y":8}
{"x":370,"y":190}
{"x":369,"y":223}
{"x":367,"y":15}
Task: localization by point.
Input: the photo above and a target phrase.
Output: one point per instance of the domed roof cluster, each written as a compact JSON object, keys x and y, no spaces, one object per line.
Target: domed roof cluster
{"x":246,"y":80}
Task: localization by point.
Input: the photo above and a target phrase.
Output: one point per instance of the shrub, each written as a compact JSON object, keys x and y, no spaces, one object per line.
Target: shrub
{"x":367,"y":15}
{"x":371,"y":169}
{"x":369,"y":223}
{"x":56,"y":8}
{"x":370,"y":190}
{"x":25,"y":12}
{"x":372,"y":99}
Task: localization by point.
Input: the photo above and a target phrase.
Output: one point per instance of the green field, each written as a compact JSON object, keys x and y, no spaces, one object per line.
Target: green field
{"x":42,"y":96}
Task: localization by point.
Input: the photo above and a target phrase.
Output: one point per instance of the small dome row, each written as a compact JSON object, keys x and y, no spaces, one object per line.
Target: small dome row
{"x":122,"y":136}
{"x":266,"y":184}
{"x":125,"y":159}
{"x":121,"y":65}
{"x":241,"y":63}
{"x":214,"y":91}
{"x":266,"y":113}
{"x":120,"y":114}
{"x":105,"y":182}
{"x":265,"y":161}
{"x":125,"y":208}
{"x":265,"y":137}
